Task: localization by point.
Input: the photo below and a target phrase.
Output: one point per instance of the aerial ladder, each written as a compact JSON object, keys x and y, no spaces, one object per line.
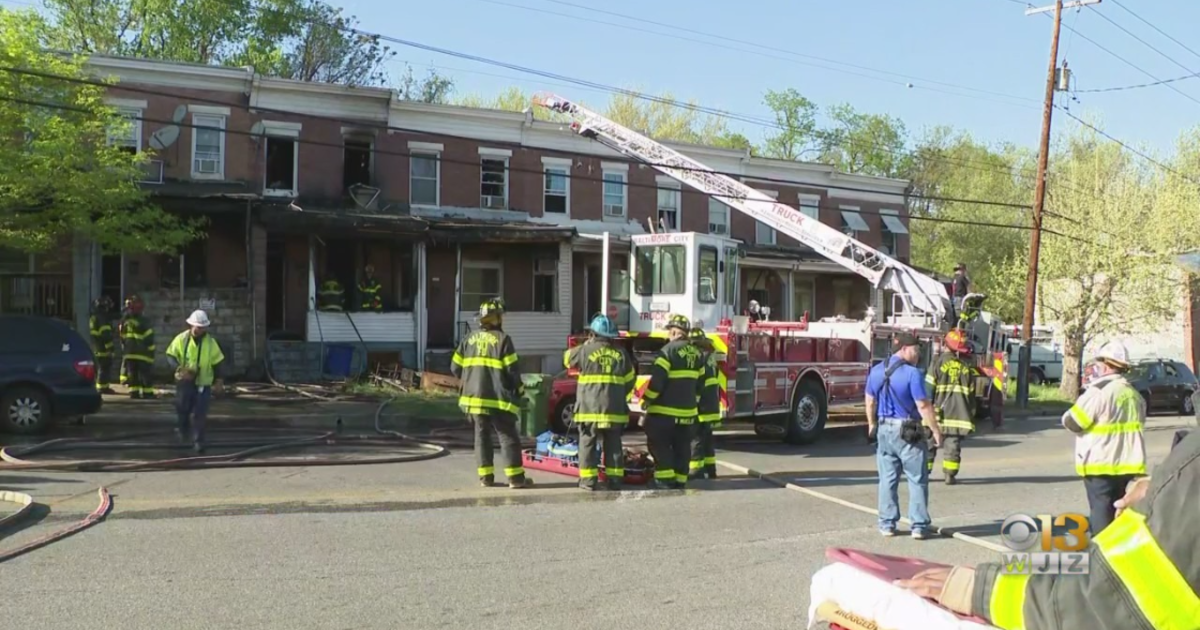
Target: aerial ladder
{"x":921,"y":296}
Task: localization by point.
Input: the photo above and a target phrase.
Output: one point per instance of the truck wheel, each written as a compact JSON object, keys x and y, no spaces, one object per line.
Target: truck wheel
{"x":563,"y":418}
{"x":810,"y":410}
{"x":1036,"y":377}
{"x":24,"y":410}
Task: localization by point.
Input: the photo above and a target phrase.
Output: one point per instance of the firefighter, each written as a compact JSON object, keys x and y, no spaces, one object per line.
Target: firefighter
{"x":704,"y":454}
{"x":137,"y":349}
{"x":198,"y":362}
{"x":1144,"y":568}
{"x":330,"y":296}
{"x":606,"y":380}
{"x":951,"y":383}
{"x":486,"y":363}
{"x":369,"y":289}
{"x":671,"y":405}
{"x":100,"y":328}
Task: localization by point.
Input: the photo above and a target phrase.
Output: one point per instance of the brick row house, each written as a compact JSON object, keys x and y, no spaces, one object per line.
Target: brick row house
{"x":303,"y":182}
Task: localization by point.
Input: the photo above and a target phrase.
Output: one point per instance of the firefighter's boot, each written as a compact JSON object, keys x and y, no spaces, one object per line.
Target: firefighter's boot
{"x":613,"y":485}
{"x":519,"y":481}
{"x":710,"y":470}
{"x":950,"y":477}
{"x":588,"y":484}
{"x":487,"y":481}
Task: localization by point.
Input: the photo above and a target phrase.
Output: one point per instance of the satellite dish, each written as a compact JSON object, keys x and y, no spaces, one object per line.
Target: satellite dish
{"x":180,"y":114}
{"x":257,"y":129}
{"x":164,"y":138}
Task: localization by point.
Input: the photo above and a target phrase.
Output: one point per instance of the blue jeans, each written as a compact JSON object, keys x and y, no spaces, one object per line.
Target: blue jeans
{"x":895,"y":457}
{"x":191,"y":407}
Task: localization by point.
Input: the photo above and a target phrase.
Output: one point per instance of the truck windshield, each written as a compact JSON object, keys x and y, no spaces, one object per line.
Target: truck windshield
{"x":661,"y":270}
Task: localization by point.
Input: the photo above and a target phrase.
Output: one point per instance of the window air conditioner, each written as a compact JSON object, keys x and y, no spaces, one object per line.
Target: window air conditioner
{"x":206,"y":167}
{"x":492,"y":202}
{"x":613,"y":210}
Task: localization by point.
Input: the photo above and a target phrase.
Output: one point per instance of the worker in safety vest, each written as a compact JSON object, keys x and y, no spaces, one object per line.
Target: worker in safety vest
{"x":486,"y":363}
{"x":605,"y":383}
{"x":1144,"y":571}
{"x":330,"y":296}
{"x":100,"y":329}
{"x":137,"y":349}
{"x":671,"y":405}
{"x":1107,"y":420}
{"x":369,"y":292}
{"x":704,"y":454}
{"x":198,"y":362}
{"x":950,"y":381}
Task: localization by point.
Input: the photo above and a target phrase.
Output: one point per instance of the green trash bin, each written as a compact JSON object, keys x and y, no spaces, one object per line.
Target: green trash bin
{"x":535,"y":404}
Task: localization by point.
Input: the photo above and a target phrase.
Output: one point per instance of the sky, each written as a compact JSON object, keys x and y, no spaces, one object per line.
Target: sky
{"x":979,"y":65}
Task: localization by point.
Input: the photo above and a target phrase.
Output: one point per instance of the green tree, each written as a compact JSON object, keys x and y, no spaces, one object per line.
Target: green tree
{"x":59,"y":176}
{"x":302,"y":39}
{"x":869,"y":144}
{"x":512,"y":99}
{"x":432,"y":88}
{"x":796,"y":119}
{"x":668,"y":119}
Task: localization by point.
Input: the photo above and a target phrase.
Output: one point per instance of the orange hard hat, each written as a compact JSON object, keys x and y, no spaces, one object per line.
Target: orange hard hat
{"x":957,"y":342}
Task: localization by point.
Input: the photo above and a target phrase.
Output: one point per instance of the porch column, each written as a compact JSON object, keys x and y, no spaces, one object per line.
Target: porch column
{"x":83,"y":265}
{"x":311,"y":304}
{"x":457,"y":288}
{"x":789,"y":301}
{"x":420,"y":306}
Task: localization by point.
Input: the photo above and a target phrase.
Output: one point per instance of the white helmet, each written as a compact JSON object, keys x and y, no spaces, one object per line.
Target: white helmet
{"x":199,"y":318}
{"x":1113,"y":353}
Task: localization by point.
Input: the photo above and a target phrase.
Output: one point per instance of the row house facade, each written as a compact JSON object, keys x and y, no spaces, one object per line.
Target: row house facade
{"x":302,"y":182}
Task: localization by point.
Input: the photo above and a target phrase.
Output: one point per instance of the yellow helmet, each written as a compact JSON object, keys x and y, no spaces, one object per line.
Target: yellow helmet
{"x":491,"y":310}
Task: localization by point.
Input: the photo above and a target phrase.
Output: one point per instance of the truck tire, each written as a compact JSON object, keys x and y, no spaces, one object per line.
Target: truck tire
{"x":562,"y":421}
{"x":810,"y":411}
{"x":1037,"y":376}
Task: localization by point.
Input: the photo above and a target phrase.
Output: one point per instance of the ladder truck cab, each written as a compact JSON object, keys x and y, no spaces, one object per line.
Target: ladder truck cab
{"x":783,"y":376}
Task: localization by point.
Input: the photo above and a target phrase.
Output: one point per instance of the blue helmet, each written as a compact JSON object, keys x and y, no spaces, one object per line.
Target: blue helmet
{"x":603,"y":326}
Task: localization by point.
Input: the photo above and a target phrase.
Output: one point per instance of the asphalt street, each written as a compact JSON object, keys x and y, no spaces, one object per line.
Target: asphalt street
{"x":420,"y":546}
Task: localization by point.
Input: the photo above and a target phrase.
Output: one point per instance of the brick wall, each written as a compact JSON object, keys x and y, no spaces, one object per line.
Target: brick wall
{"x":232,"y":318}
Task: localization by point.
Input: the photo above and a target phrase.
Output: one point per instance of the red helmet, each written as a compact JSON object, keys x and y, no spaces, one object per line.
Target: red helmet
{"x":134,"y":304}
{"x":956,"y":342}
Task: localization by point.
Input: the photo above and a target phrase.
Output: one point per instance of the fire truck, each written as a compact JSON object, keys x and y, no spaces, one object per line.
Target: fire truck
{"x":784,"y":377}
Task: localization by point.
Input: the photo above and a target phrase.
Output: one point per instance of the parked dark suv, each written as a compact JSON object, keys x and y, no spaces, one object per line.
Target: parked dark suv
{"x":47,"y":370}
{"x":1166,"y":385}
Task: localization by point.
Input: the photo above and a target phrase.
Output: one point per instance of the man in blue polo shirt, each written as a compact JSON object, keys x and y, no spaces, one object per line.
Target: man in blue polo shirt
{"x":896,"y":397}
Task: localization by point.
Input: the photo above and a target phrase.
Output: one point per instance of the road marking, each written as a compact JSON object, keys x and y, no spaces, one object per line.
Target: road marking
{"x":944,"y":531}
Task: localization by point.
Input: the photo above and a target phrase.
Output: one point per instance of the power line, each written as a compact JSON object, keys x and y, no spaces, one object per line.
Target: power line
{"x":1140,"y":154}
{"x":1121,"y":88}
{"x":1160,"y":31}
{"x":756,"y":45}
{"x":1144,"y":42}
{"x":386,"y":127}
{"x":507,"y":167}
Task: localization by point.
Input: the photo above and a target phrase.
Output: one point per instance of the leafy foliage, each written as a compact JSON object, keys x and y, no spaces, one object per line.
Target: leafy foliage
{"x":59,"y":176}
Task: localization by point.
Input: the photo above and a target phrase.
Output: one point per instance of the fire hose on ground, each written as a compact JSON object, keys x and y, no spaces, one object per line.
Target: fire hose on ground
{"x":14,"y":459}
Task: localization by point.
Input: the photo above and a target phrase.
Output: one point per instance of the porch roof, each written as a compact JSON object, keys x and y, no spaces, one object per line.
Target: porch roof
{"x":783,"y":257}
{"x":307,"y":221}
{"x":467,"y":231}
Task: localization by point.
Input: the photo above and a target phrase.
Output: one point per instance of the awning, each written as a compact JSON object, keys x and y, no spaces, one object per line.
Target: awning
{"x":344,"y":224}
{"x":891,"y":222}
{"x":855,"y":221}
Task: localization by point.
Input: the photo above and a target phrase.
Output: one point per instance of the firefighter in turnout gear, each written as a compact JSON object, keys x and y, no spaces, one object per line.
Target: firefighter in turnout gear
{"x":951,"y":384}
{"x":369,"y":296}
{"x":486,"y":363}
{"x":606,"y":380}
{"x":704,"y":454}
{"x":100,"y":328}
{"x":670,"y":403}
{"x":330,"y":296}
{"x":137,"y":349}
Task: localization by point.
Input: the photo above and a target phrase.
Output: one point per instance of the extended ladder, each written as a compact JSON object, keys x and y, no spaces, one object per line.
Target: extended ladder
{"x":918,"y":291}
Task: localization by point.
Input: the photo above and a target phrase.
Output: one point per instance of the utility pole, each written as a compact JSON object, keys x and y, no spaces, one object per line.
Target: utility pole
{"x":1039,"y":197}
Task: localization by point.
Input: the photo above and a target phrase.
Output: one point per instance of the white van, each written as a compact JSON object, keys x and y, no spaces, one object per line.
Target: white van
{"x":1045,"y":360}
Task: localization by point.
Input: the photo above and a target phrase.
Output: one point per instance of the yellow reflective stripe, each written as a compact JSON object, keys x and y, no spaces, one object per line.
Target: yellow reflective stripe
{"x":601,"y":379}
{"x":674,"y":412}
{"x":456,"y":359}
{"x":649,"y":395}
{"x":710,"y":461}
{"x":712,"y":382}
{"x":138,"y":357}
{"x":589,"y":473}
{"x":683,"y":373}
{"x":480,"y":362}
{"x":930,"y":379}
{"x":567,"y":358}
{"x":511,"y":359}
{"x":696,"y":464}
{"x":614,"y":472}
{"x":470,"y":404}
{"x":681,"y":478}
{"x":1116,"y":428}
{"x":485,"y":470}
{"x":954,"y":389}
{"x":513,"y":471}
{"x":664,"y":474}
{"x":949,"y":465}
{"x":630,"y":377}
{"x":1007,"y":603}
{"x":601,"y":417}
{"x":965,"y":425}
{"x":998,"y":383}
{"x":663,"y":363}
{"x":1162,"y":593}
{"x":710,"y":417}
{"x":1081,"y":417}
{"x":1089,"y":470}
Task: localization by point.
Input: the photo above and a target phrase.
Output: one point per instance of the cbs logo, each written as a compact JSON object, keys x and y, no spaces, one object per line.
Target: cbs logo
{"x":1022,"y":532}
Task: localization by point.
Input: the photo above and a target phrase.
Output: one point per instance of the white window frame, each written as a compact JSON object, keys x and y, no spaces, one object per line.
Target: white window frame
{"x":769,"y":237}
{"x":810,"y":205}
{"x":134,"y":114}
{"x":665,"y":183}
{"x":723,"y":210}
{"x":279,"y":130}
{"x":496,"y":155}
{"x":615,"y":170}
{"x":202,"y":112}
{"x":482,"y":265}
{"x":426,"y":150}
{"x":552,"y":273}
{"x":558,"y":164}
